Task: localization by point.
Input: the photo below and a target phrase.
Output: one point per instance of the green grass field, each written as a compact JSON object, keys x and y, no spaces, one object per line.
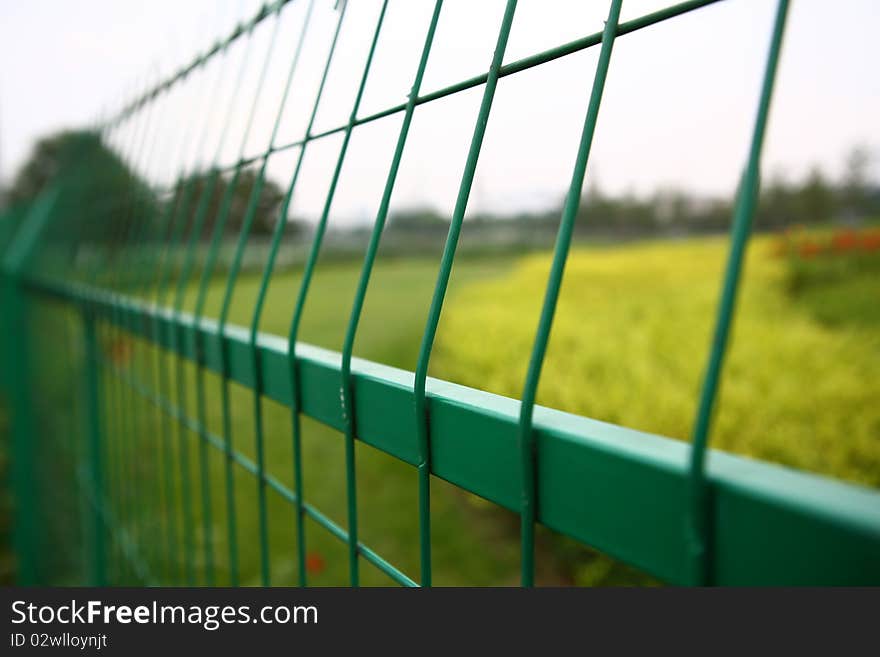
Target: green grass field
{"x":629,"y":346}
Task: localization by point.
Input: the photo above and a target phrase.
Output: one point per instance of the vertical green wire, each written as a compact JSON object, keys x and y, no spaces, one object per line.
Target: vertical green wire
{"x":93,"y":384}
{"x":350,"y":482}
{"x":229,"y":190}
{"x":86,"y":458}
{"x":227,"y":298}
{"x":277,"y":235}
{"x":158,"y":373}
{"x":181,"y":194}
{"x":108,"y":408}
{"x":181,"y":211}
{"x":203,"y":285}
{"x":97,"y":464}
{"x":126,"y":489}
{"x":114,"y":434}
{"x":698,"y":521}
{"x":184,"y":273}
{"x":149,"y":506}
{"x":150,"y":229}
{"x":167,"y":226}
{"x":112,"y":408}
{"x":236,"y":264}
{"x":124,"y":401}
{"x":178,"y":208}
{"x":132,"y":433}
{"x":135,"y":545}
{"x":427,"y":344}
{"x":200,"y":371}
{"x":202,"y":293}
{"x":424,"y":467}
{"x":527,"y":446}
{"x":105,"y":404}
{"x":131,"y":416}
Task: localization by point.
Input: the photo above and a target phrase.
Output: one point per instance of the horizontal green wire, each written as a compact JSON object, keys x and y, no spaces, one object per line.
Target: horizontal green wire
{"x":506,"y":69}
{"x":119,"y":534}
{"x":240,"y":30}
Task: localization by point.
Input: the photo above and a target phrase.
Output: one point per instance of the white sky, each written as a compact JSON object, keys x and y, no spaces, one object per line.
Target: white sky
{"x":677,"y":111}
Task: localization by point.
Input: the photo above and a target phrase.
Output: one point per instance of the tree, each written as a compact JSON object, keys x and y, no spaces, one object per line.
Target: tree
{"x":102,"y":200}
{"x":417,"y":220}
{"x":855,"y":190}
{"x":815,"y":199}
{"x":777,"y":207}
{"x":208,"y":190}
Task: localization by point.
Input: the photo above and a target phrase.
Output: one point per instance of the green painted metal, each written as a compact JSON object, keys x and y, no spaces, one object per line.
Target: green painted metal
{"x":227,"y":421}
{"x":663,"y":506}
{"x":277,"y":234}
{"x":18,"y":389}
{"x":422,"y":418}
{"x":142,"y":158}
{"x":518,"y":66}
{"x":93,"y":427}
{"x":747,"y":199}
{"x":204,"y":280}
{"x":250,"y":213}
{"x":763,"y":514}
{"x":232,"y":537}
{"x":308,"y":272}
{"x":551,"y":296}
{"x":360,"y":296}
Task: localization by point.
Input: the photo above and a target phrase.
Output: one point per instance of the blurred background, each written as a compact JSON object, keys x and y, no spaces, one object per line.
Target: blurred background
{"x":629,"y":342}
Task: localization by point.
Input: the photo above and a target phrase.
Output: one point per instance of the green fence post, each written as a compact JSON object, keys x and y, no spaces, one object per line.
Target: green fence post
{"x":22,"y":433}
{"x":93,"y":431}
{"x":18,"y":384}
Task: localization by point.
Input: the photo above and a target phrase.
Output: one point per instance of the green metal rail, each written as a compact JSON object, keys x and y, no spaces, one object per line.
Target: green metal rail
{"x":683,"y":513}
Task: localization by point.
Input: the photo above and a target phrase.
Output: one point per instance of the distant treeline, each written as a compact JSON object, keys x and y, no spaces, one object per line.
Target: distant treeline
{"x":107,"y":203}
{"x":815,"y":199}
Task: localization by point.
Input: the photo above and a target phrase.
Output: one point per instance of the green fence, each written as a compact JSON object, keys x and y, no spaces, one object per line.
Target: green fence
{"x":97,"y":349}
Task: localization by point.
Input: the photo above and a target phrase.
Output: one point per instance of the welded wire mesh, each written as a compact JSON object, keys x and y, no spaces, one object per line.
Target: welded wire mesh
{"x":124,"y":283}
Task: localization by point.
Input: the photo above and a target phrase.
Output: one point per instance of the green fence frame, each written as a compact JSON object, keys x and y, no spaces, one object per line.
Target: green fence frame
{"x":683,"y":513}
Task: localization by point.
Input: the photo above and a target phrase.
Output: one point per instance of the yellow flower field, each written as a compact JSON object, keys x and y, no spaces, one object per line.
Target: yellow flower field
{"x":630,"y":342}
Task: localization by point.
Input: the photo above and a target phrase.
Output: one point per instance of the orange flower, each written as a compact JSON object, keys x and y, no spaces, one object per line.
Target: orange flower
{"x":871,"y":241}
{"x":315,"y":563}
{"x":120,"y":351}
{"x":809,"y":249}
{"x":845,"y":240}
